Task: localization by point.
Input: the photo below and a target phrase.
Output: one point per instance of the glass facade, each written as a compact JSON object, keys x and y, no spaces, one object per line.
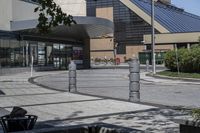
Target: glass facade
{"x":129,"y":28}
{"x":12,"y":53}
{"x":15,"y":53}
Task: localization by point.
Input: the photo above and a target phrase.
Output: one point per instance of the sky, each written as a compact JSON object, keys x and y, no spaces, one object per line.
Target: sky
{"x":192,"y":6}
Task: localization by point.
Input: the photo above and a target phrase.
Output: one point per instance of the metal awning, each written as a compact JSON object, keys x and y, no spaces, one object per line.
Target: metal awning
{"x":86,"y":27}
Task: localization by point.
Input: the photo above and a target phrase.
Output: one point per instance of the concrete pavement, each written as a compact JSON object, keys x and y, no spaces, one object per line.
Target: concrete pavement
{"x":55,"y":108}
{"x":114,"y":83}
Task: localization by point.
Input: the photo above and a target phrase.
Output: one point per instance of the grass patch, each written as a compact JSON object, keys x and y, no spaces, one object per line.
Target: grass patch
{"x":182,"y":75}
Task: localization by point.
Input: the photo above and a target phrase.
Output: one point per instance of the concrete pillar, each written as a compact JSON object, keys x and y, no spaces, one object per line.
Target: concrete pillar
{"x":147,"y":65}
{"x":72,"y":77}
{"x":188,"y":46}
{"x":27,"y":56}
{"x":134,"y":78}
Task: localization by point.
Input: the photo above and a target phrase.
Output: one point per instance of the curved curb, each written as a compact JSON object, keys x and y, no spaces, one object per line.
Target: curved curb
{"x":174,"y":78}
{"x":32,"y":81}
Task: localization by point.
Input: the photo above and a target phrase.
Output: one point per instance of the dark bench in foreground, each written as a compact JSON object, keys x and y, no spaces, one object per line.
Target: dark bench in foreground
{"x":86,"y":128}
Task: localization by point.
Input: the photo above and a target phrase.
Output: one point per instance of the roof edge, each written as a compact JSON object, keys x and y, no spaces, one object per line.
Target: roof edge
{"x":144,"y":15}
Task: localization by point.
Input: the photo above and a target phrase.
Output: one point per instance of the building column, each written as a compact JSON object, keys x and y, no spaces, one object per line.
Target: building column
{"x":188,"y":46}
{"x":27,"y":58}
{"x":175,"y":46}
{"x":86,"y":53}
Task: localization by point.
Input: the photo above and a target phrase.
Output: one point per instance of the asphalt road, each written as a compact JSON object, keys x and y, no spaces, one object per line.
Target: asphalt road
{"x":114,"y":83}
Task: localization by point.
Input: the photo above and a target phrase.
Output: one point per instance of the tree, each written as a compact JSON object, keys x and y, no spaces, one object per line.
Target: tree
{"x":51,"y":15}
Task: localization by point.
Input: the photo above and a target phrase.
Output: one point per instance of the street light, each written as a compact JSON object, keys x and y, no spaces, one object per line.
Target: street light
{"x":153,"y":39}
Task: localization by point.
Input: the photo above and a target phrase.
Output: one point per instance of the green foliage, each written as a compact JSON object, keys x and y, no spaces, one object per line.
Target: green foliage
{"x":199,"y":41}
{"x":51,"y":15}
{"x":112,"y":61}
{"x":170,"y":60}
{"x":97,"y":60}
{"x":181,"y":74}
{"x":196,"y":114}
{"x":189,"y":60}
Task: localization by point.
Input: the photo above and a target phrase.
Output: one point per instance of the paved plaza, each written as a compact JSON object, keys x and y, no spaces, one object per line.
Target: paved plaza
{"x":58,"y":108}
{"x":114,"y":83}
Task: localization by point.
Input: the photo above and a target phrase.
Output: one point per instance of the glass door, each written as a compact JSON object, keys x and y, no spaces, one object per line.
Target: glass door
{"x":33,"y":52}
{"x":66,"y":54}
{"x":41,"y":54}
{"x":56,"y":55}
{"x":61,"y":55}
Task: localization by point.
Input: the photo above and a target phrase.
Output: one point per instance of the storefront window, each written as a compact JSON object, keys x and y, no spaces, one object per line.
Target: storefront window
{"x":14,"y":53}
{"x":11,"y":53}
{"x":56,"y":60}
{"x":4,"y":53}
{"x":41,"y":54}
{"x":49,"y":54}
{"x":78,"y":55}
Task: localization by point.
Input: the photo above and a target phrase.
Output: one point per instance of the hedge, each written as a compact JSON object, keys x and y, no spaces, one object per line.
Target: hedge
{"x":188,"y":59}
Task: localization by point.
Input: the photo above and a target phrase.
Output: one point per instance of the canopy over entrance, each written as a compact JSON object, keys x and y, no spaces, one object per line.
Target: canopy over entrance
{"x":86,"y":27}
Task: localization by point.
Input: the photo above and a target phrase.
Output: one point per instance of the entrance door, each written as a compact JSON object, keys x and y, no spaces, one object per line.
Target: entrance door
{"x":33,"y":51}
{"x":65,"y":55}
{"x":62,"y":55}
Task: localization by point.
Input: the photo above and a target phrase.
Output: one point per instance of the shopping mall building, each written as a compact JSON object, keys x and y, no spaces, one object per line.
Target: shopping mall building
{"x":20,"y":41}
{"x":104,"y":28}
{"x":132,"y":28}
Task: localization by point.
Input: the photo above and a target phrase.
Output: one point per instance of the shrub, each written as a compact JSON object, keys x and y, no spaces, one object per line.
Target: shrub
{"x":170,"y":60}
{"x":196,"y":114}
{"x":189,"y":60}
{"x":97,"y":60}
{"x":112,"y":61}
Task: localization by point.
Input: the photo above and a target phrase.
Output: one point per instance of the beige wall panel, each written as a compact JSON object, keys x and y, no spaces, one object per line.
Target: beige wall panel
{"x":121,"y":57}
{"x":164,"y":47}
{"x":192,"y":37}
{"x":5,"y":14}
{"x":73,"y":7}
{"x":108,"y":55}
{"x":101,"y":44}
{"x":106,"y":13}
{"x":102,"y":55}
{"x":133,"y":50}
{"x":23,"y":10}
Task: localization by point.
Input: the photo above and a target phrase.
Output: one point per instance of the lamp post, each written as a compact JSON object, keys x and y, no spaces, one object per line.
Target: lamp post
{"x":153,"y":39}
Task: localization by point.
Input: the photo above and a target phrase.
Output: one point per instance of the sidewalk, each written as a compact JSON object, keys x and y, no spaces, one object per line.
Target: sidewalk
{"x":147,"y":78}
{"x":56,"y":108}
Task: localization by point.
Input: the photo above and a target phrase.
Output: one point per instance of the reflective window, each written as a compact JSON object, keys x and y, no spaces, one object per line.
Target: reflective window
{"x":49,"y":54}
{"x":12,"y":53}
{"x":41,"y":54}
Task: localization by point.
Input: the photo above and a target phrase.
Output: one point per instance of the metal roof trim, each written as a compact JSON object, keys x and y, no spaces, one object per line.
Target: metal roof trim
{"x":143,"y":14}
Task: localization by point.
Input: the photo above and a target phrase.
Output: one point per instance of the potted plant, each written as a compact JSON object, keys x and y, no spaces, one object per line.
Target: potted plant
{"x":190,"y":126}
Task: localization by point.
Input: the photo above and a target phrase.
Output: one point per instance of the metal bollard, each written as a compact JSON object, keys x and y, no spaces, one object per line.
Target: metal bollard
{"x":72,"y":77}
{"x":147,"y":65}
{"x":134,"y":78}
